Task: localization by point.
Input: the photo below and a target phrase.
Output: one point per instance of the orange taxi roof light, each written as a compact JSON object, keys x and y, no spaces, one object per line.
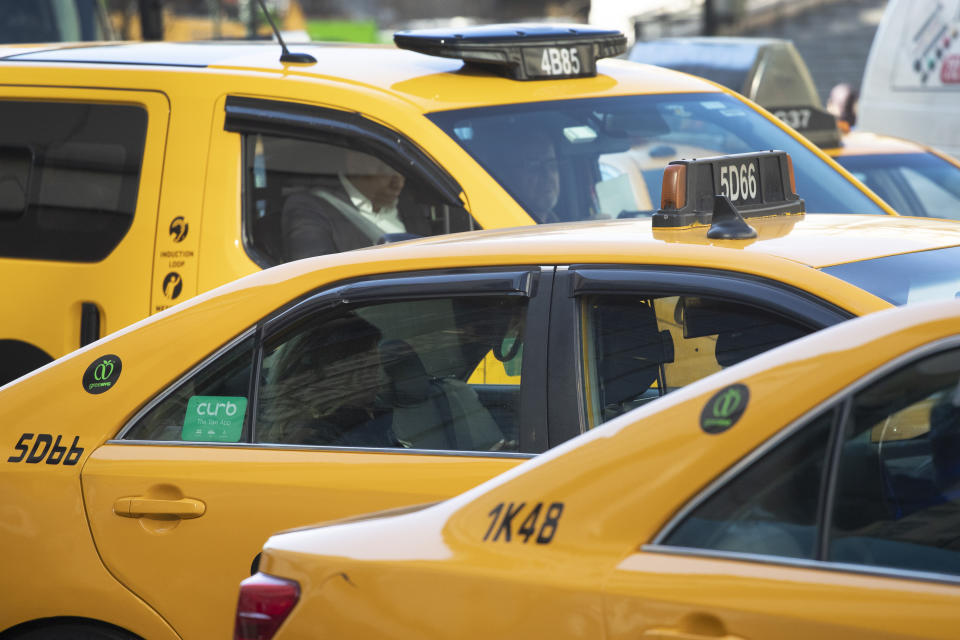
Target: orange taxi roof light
{"x":758,"y":184}
{"x":673,"y":195}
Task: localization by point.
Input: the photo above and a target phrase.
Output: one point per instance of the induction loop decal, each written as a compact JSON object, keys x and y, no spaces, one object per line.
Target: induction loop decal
{"x":178,"y":229}
{"x":724,"y":409}
{"x":102,"y":374}
{"x":172,"y":285}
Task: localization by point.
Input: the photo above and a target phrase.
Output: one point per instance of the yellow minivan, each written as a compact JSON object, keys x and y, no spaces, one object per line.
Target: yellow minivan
{"x":134,"y":176}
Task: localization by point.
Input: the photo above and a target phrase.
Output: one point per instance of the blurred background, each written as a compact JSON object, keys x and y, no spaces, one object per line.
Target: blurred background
{"x":832,"y":36}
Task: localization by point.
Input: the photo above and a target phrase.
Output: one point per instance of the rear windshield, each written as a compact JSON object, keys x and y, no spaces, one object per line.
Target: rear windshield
{"x":915,"y":184}
{"x":604,"y":157}
{"x":907,"y":277}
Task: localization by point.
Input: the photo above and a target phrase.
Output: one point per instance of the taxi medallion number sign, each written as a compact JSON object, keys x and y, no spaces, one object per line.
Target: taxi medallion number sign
{"x":739,"y":182}
{"x":557,"y":62}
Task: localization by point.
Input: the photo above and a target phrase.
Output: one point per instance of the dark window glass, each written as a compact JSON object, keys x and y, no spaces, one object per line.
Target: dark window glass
{"x":69,"y":174}
{"x":429,"y":374}
{"x":769,"y":509}
{"x":915,"y":184}
{"x":638,"y":348}
{"x":898,"y":484}
{"x":309,"y":198}
{"x":907,"y":277}
{"x":604,"y":157}
{"x":209,"y":406}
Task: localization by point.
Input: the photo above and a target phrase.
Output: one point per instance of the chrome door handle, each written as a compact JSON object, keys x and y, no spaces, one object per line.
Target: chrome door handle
{"x":139,"y":506}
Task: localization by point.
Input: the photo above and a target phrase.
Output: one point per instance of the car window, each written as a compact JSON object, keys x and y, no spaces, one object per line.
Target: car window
{"x":440,"y":374}
{"x":637,"y":348}
{"x":315,"y":197}
{"x":905,"y":278}
{"x":915,"y":184}
{"x":69,"y":175}
{"x":771,"y":508}
{"x":208,"y":406}
{"x":898,"y":483}
{"x":604,"y":157}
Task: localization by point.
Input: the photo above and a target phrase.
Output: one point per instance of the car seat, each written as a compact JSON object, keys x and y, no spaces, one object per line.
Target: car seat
{"x":431,"y":412}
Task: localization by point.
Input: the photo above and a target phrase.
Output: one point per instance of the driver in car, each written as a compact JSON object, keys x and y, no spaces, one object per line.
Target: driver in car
{"x":356,"y":211}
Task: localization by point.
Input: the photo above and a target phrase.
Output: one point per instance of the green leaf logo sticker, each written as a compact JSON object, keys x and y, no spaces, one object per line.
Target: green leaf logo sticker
{"x":102,"y":374}
{"x":214,"y":419}
{"x":724,"y":409}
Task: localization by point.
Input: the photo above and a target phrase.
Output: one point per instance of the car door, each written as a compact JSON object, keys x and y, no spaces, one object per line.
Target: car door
{"x":80,"y":173}
{"x":843,"y":526}
{"x":368,"y":396}
{"x":622,"y":336}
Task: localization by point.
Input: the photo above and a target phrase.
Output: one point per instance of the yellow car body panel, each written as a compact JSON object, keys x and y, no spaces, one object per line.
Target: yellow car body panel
{"x":192,"y":167}
{"x":71,"y":524}
{"x":597,"y":573}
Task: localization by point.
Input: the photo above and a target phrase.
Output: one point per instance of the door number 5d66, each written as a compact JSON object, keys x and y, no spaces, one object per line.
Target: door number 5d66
{"x":739,"y":181}
{"x":46,"y":447}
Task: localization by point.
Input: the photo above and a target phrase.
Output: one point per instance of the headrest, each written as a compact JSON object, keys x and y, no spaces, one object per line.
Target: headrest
{"x":409,"y":383}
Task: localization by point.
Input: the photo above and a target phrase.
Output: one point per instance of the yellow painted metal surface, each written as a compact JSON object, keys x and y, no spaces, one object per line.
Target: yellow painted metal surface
{"x":447,"y":572}
{"x":187,"y":235}
{"x":44,"y":297}
{"x":85,"y":549}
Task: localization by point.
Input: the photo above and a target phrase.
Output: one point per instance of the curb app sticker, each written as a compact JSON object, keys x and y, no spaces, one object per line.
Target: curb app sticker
{"x":214,"y":419}
{"x":102,"y":374}
{"x":724,"y":409}
{"x":172,"y":285}
{"x":178,"y":229}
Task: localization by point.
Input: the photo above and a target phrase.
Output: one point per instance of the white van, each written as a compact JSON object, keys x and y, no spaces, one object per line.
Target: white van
{"x":911,"y":86}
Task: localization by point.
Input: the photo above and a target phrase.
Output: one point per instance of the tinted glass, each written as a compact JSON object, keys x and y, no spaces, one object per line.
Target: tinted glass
{"x":898,"y":485}
{"x":907,"y":277}
{"x":771,"y":508}
{"x":432,"y":374}
{"x":308,"y":198}
{"x":638,"y":348}
{"x":69,"y":175}
{"x":51,"y":21}
{"x":915,"y":184}
{"x":209,"y":406}
{"x":604,"y":157}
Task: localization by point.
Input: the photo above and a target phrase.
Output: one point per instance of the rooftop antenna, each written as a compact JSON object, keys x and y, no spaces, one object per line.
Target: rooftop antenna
{"x":286,"y":56}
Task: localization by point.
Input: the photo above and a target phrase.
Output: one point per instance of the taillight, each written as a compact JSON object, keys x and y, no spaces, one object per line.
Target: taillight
{"x":265,"y":602}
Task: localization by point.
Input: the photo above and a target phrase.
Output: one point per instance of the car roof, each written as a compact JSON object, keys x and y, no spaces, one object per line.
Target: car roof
{"x":423,"y":79}
{"x":813,"y":240}
{"x":859,"y":143}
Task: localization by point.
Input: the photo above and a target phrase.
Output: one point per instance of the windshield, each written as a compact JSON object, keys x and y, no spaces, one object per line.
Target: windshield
{"x":915,"y":184}
{"x":604,"y":157}
{"x":907,"y":277}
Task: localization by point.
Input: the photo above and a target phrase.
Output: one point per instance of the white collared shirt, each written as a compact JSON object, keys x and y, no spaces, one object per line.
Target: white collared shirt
{"x":387,"y":219}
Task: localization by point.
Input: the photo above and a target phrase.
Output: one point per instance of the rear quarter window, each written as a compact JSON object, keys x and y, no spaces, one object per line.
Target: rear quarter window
{"x":69,"y":175}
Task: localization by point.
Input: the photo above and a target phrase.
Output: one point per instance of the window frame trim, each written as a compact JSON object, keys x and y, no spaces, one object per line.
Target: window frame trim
{"x":532,"y":282}
{"x":171,"y":388}
{"x":247,"y":115}
{"x":577,"y":280}
{"x":838,"y":401}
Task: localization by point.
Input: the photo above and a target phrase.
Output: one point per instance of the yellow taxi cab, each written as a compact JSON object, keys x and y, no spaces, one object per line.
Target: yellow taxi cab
{"x":135,"y":175}
{"x":913,"y":178}
{"x":811,"y":492}
{"x":142,"y":473}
